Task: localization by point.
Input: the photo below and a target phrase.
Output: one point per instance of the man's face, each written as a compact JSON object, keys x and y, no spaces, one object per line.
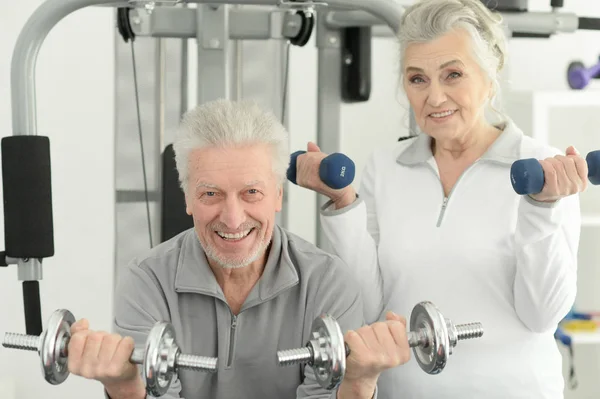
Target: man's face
{"x":233,"y":196}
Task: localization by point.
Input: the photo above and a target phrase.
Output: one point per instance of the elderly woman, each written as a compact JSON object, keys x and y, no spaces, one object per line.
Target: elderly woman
{"x":437,"y":219}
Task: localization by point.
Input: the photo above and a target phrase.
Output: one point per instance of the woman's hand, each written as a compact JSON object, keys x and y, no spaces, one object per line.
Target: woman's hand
{"x":307,"y":176}
{"x":564,"y":175}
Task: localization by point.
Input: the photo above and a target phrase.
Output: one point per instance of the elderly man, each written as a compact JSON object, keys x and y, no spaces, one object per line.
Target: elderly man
{"x":236,"y":286}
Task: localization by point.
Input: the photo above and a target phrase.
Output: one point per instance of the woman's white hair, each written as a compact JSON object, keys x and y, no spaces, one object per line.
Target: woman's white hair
{"x":427,"y":20}
{"x":224,"y":123}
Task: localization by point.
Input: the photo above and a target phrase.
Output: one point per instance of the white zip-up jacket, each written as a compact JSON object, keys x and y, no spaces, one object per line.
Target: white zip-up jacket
{"x":482,"y":254}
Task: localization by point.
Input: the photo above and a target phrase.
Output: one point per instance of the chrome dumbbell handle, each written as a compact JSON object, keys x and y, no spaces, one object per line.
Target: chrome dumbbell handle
{"x":290,"y":357}
{"x":419,"y":338}
{"x":22,"y":342}
{"x":184,"y":361}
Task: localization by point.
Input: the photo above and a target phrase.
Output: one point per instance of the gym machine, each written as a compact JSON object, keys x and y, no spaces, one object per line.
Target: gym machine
{"x":431,"y":336}
{"x":343,"y":28}
{"x":27,"y":185}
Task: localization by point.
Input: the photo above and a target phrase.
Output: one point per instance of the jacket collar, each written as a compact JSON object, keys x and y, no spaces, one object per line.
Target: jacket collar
{"x":194,"y":275}
{"x":505,"y":150}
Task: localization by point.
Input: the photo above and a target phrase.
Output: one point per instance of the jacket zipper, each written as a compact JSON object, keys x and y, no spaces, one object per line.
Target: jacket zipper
{"x":446,"y":199}
{"x":439,"y":222}
{"x":231,"y":339}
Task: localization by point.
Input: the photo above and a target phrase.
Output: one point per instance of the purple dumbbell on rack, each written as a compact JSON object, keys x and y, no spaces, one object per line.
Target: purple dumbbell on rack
{"x":578,"y":76}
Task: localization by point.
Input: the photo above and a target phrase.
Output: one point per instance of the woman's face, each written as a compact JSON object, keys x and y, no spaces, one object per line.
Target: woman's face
{"x":445,"y":86}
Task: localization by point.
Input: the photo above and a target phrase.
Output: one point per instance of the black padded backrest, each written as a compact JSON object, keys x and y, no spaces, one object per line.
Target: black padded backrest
{"x":174,"y":219}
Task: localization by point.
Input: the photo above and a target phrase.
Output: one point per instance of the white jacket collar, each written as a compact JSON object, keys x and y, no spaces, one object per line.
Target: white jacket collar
{"x":506,"y":149}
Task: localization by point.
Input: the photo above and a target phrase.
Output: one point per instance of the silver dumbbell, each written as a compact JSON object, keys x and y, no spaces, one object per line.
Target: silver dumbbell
{"x":161,"y":357}
{"x":431,"y":336}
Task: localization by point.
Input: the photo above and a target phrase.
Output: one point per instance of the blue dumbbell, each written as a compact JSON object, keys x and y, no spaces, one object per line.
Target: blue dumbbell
{"x":527,"y":175}
{"x":336,"y":170}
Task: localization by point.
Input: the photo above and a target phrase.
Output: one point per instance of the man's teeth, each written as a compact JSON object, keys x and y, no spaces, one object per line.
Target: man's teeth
{"x":442,"y":114}
{"x":236,"y":236}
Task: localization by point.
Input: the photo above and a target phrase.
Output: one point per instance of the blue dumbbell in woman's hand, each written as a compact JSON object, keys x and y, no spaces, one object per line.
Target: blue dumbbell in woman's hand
{"x":527,"y":175}
{"x":336,"y":170}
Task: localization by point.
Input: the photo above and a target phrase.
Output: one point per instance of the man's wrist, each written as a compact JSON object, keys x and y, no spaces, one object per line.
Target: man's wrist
{"x":126,"y":390}
{"x":358,"y":389}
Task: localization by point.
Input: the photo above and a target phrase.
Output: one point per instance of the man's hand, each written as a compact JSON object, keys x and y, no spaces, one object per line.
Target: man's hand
{"x":373,"y":349}
{"x":105,"y":357}
{"x":564,"y":175}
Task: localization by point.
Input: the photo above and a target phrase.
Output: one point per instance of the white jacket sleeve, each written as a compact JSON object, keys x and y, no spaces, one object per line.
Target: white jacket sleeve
{"x":546,"y":243}
{"x":354,"y":236}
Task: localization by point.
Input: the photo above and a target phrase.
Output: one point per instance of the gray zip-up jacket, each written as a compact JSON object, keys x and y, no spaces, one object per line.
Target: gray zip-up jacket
{"x":174,"y":283}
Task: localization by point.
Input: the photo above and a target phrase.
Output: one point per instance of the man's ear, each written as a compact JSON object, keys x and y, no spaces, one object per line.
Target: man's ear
{"x":188,"y":205}
{"x":279,"y":202}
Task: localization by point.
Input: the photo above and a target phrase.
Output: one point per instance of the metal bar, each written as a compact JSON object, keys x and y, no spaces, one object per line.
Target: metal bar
{"x":242,"y":2}
{"x":328,"y":104}
{"x":382,"y":31}
{"x":183,"y":93}
{"x":388,"y":11}
{"x":124,"y":196}
{"x":541,"y":22}
{"x":214,"y":77}
{"x":350,"y":19}
{"x":24,"y":58}
{"x":237,"y":46}
{"x":527,"y":22}
{"x":250,"y":24}
{"x":160,"y":67}
{"x":170,"y":22}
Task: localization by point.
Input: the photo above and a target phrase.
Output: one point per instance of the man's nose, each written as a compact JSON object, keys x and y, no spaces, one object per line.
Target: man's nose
{"x":233,"y":213}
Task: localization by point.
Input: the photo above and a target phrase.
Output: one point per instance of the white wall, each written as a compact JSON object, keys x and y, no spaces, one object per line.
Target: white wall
{"x":75,"y":102}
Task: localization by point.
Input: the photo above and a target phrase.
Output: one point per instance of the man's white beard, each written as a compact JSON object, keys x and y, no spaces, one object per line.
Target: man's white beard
{"x":213,"y":255}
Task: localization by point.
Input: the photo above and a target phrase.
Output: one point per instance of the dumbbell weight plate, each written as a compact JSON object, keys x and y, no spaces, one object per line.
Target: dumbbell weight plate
{"x":433,"y":357}
{"x":329,"y":340}
{"x":159,"y":363}
{"x":573,"y":65}
{"x":54,"y":364}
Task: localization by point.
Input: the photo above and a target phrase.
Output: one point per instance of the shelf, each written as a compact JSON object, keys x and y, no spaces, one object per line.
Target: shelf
{"x":564,"y":98}
{"x":590,"y":220}
{"x":585,"y":338}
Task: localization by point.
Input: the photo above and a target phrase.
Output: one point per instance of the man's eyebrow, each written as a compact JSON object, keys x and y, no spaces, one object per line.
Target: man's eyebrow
{"x":255,"y":183}
{"x":202,"y":184}
{"x":250,"y":183}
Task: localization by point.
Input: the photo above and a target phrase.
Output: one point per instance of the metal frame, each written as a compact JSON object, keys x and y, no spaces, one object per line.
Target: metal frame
{"x":213,"y":26}
{"x":279,"y":24}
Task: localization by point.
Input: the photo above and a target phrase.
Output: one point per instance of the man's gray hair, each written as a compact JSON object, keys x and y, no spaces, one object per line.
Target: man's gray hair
{"x":427,"y":20}
{"x":224,"y":123}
